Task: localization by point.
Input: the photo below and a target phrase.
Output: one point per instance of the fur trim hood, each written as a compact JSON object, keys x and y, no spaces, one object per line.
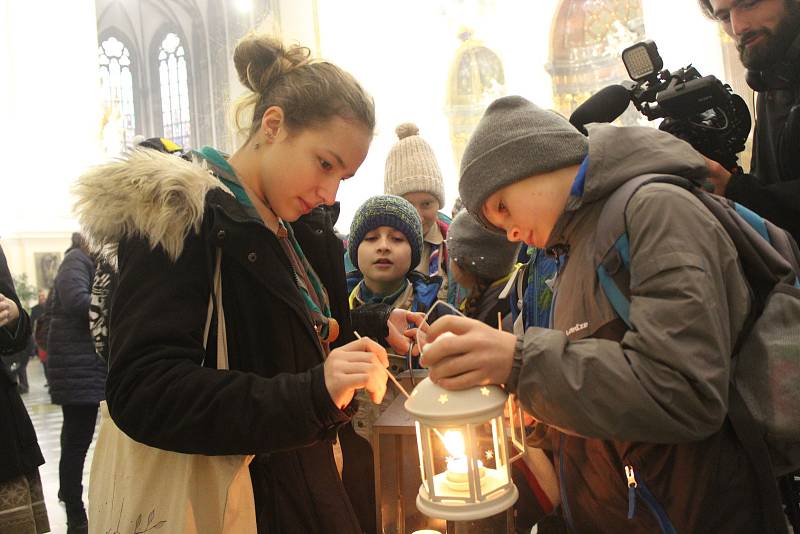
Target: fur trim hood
{"x":148,"y":194}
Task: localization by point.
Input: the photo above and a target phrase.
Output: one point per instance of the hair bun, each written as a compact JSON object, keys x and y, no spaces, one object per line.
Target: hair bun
{"x":260,"y":58}
{"x":406,"y":129}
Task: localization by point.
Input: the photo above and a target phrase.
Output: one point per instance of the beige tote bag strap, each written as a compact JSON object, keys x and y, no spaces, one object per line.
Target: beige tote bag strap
{"x":222,"y":335}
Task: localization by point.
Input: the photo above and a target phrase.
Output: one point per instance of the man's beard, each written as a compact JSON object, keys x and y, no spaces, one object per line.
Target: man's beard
{"x":775,"y":42}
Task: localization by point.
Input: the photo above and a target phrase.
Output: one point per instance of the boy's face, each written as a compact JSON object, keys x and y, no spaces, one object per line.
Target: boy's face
{"x":427,"y":206}
{"x":527,"y":210}
{"x":384,"y":255}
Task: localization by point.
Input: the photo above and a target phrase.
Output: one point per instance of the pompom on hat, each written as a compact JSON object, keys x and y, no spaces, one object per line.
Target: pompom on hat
{"x":411,"y":166}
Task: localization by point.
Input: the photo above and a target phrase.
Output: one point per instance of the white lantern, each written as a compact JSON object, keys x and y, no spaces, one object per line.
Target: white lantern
{"x":467,"y":441}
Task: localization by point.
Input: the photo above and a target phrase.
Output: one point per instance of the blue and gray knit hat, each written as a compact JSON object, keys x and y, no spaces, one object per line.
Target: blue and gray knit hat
{"x":386,"y":210}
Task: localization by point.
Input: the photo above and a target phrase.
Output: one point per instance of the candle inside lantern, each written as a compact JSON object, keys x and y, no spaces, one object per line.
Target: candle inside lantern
{"x":457,"y":462}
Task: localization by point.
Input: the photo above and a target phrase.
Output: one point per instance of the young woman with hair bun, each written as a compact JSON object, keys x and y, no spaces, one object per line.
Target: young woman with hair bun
{"x":293,"y":373}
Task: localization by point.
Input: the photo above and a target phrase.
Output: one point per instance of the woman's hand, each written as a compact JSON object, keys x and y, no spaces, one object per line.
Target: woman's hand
{"x":475,"y":356}
{"x":359,"y":364}
{"x":9,"y":313}
{"x":400,"y":335}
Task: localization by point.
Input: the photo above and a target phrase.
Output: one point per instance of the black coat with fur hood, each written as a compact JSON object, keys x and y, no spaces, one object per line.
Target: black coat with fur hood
{"x":166,"y":217}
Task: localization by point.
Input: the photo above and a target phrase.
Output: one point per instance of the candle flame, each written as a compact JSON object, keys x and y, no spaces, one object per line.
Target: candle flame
{"x":454,"y":443}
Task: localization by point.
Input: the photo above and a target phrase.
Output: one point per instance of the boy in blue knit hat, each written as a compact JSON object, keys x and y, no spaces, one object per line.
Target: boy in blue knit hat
{"x":385,"y":245}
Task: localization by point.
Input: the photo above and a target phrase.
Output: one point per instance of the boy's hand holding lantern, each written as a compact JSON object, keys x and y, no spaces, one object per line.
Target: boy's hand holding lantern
{"x":465,"y":352}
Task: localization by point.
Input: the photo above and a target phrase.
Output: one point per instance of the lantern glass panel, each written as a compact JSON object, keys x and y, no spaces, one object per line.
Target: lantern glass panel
{"x":451,"y":478}
{"x":422,"y":454}
{"x":469,"y":462}
{"x":499,"y":454}
{"x":516,"y":422}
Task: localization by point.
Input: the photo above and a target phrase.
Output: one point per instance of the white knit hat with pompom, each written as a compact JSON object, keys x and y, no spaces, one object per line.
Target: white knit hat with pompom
{"x":411,"y":166}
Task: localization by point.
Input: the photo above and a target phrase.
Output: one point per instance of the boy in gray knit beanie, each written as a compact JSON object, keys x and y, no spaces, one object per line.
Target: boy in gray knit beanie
{"x":516,"y":140}
{"x":648,"y":302}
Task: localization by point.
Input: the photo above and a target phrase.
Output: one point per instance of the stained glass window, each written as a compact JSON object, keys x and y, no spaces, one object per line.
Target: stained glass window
{"x":116,"y":84}
{"x":476,"y":78}
{"x":587,"y":39}
{"x":174,"y":90}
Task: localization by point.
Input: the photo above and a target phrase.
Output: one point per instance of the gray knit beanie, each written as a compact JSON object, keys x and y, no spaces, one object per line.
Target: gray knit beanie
{"x":386,"y":210}
{"x":411,"y":166}
{"x":515,"y":139}
{"x":476,"y":250}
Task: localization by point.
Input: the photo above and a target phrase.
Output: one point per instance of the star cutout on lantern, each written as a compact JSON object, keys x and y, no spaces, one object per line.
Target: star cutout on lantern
{"x":443,"y":398}
{"x":489,"y":455}
{"x":485,"y":391}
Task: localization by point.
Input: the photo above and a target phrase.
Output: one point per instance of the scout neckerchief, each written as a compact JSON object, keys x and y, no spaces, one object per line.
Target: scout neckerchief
{"x":361,"y":295}
{"x":434,"y":239}
{"x":433,"y":264}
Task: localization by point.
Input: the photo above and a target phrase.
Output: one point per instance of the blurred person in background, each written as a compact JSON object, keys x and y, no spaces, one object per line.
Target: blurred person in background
{"x":77,"y":376}
{"x":22,"y":508}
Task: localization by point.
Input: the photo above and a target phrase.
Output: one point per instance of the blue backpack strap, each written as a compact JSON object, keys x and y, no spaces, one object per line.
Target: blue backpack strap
{"x":612,"y":247}
{"x":754,"y":220}
{"x":767,"y":253}
{"x":778,"y":238}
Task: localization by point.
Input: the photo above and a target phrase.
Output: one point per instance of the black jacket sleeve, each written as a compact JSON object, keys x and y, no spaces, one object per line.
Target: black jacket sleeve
{"x":160,"y":394}
{"x":778,"y":203}
{"x":12,"y":339}
{"x":371,"y":320}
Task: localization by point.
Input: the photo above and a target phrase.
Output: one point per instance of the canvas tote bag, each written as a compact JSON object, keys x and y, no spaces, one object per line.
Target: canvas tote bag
{"x":136,"y":488}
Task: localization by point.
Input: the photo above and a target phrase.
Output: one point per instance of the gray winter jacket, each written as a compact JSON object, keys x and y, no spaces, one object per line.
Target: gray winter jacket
{"x":654,"y":397}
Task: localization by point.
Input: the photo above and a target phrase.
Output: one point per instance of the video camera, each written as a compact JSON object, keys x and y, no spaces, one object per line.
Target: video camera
{"x":701,"y":110}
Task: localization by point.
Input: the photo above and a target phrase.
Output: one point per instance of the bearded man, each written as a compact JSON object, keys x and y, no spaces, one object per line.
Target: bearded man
{"x":767,"y":35}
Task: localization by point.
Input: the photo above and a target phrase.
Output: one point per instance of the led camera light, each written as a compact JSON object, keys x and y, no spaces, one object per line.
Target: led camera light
{"x":642,"y":60}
